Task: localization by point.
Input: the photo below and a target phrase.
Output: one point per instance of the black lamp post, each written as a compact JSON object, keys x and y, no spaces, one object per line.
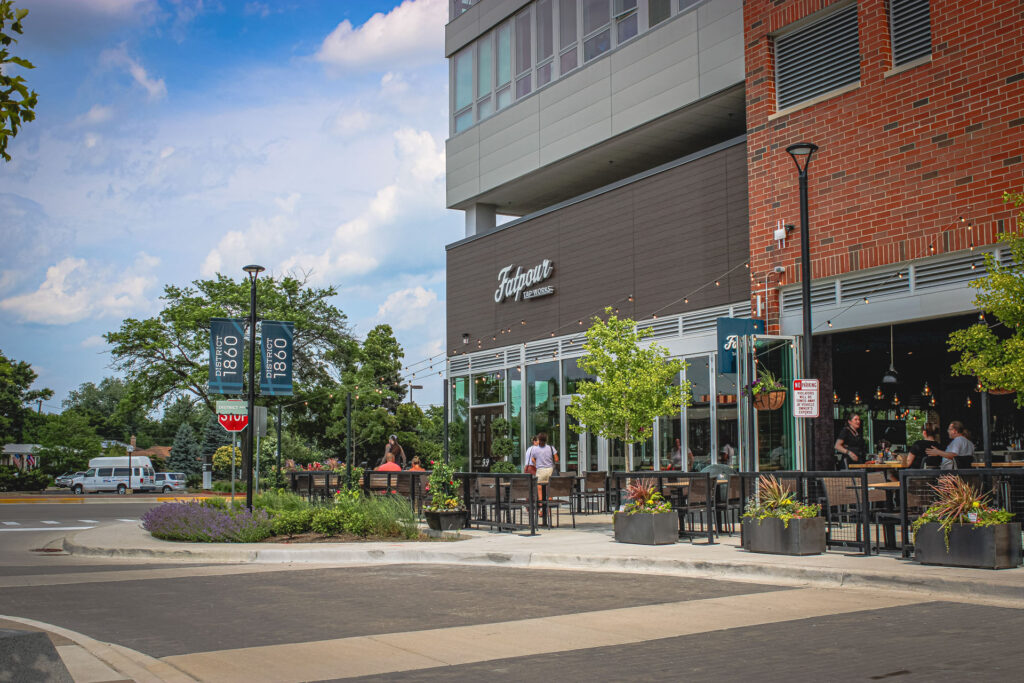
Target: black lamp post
{"x":254,"y":272}
{"x":802,"y":153}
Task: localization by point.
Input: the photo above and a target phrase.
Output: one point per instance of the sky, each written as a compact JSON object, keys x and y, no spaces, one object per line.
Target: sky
{"x":175,"y":139}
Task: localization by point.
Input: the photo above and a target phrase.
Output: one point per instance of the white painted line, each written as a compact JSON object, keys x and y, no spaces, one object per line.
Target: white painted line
{"x":48,"y":521}
{"x":50,"y":528}
{"x":129,"y":520}
{"x":12,"y":523}
{"x":93,"y":521}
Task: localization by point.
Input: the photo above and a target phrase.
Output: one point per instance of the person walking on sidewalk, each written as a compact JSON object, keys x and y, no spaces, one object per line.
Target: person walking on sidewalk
{"x":543,"y":457}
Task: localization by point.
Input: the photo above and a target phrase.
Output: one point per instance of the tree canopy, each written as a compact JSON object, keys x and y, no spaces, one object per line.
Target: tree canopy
{"x":67,"y":443}
{"x":634,"y":385}
{"x":16,"y":398}
{"x":17,"y":102}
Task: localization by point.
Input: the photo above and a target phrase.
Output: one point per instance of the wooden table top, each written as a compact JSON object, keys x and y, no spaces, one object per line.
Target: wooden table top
{"x":885,"y":485}
{"x":1015,"y":463}
{"x":877,"y":466}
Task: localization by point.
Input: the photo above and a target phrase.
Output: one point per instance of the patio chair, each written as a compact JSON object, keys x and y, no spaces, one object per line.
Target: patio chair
{"x":519,"y":501}
{"x":593,"y":493}
{"x":696,"y":503}
{"x":842,"y":506}
{"x":559,"y":493}
{"x":730,"y":502}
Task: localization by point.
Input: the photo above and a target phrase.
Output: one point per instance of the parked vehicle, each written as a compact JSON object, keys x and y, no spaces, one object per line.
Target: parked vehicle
{"x":169,"y":481}
{"x":64,"y":480}
{"x":112,"y":474}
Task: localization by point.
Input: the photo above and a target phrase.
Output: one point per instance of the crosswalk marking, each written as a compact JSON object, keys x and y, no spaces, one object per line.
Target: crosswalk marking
{"x":12,"y":523}
{"x":50,"y":521}
{"x":127,"y":520}
{"x":89,"y":521}
{"x":48,"y":528}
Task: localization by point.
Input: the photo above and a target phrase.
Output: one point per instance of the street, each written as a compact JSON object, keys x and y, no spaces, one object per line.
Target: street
{"x":447,"y":622}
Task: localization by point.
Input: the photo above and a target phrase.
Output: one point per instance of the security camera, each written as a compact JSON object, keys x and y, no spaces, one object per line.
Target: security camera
{"x":778,"y":269}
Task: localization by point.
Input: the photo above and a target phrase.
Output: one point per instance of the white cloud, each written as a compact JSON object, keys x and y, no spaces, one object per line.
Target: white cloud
{"x":408,"y":35}
{"x":154,"y":87}
{"x":75,"y":289}
{"x":96,"y":115}
{"x":93,"y":342}
{"x":409,"y":308}
{"x":262,"y":242}
{"x":349,"y":122}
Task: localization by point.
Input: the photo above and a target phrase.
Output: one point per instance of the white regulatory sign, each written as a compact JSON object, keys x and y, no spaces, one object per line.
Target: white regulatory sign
{"x":805,"y":398}
{"x":232,"y":407}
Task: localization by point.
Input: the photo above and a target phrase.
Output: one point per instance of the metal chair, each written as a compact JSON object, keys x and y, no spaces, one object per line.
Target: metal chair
{"x":559,"y":493}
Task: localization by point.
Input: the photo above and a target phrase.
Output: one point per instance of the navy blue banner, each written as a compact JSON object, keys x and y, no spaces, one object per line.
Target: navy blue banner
{"x":276,"y":361}
{"x":729,"y":332}
{"x":227,"y":341}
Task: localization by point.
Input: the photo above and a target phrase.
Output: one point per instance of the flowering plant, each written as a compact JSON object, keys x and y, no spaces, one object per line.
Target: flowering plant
{"x":958,"y":502}
{"x":644,"y":498}
{"x":766,"y":383}
{"x":206,"y":523}
{"x":444,"y":491}
{"x":775,"y":500}
{"x":314,"y":467}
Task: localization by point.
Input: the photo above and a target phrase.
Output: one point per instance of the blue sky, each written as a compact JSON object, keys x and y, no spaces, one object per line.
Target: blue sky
{"x":179,"y":138}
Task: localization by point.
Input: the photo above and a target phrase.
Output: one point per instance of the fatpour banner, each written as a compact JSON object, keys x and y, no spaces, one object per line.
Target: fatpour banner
{"x":227,"y":340}
{"x":729,"y":332}
{"x":276,"y":361}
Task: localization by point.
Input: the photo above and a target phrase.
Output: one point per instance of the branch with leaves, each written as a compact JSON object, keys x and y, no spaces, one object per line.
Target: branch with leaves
{"x":17,"y":102}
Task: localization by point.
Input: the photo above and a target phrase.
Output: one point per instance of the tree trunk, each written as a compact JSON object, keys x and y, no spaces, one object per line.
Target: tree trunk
{"x":625,"y":444}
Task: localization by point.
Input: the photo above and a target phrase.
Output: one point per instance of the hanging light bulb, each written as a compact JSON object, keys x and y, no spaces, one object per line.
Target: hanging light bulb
{"x":835,"y":397}
{"x":926,"y":390}
{"x":879,"y":395}
{"x":931,"y":402}
{"x":895,"y":399}
{"x":890,"y":376}
{"x":856,"y":398}
{"x":969,"y":402}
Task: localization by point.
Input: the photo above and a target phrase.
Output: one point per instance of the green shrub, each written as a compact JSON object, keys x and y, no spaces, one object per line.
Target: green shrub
{"x":292,"y":522}
{"x":224,"y":486}
{"x":357,"y":522}
{"x":280,"y":500}
{"x":503,"y":466}
{"x":11,"y":479}
{"x":215,"y":502}
{"x":328,"y":521}
{"x":194,"y":481}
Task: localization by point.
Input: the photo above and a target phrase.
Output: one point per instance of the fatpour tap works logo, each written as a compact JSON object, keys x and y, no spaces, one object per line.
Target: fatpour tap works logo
{"x":513,"y":285}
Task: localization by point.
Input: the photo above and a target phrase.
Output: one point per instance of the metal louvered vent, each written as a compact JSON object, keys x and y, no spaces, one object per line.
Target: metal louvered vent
{"x":1004,"y":257}
{"x":875,"y":284}
{"x":541,"y":350}
{"x":911,"y":30}
{"x":702,"y":321}
{"x":661,"y":328}
{"x":458,"y":366}
{"x":487,"y":361}
{"x":823,"y":294}
{"x":817,"y":58}
{"x":949,"y":272}
{"x":573,"y":345}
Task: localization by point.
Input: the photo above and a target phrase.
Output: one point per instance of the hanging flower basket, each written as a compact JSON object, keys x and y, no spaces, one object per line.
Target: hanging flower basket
{"x":1001,"y":392}
{"x":769,"y":400}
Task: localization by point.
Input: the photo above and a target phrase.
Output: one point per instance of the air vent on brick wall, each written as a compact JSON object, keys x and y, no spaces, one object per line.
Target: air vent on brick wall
{"x":823,"y":294}
{"x":911,"y":30}
{"x":817,"y":58}
{"x":703,"y":321}
{"x":948,"y":272}
{"x":874,"y":284}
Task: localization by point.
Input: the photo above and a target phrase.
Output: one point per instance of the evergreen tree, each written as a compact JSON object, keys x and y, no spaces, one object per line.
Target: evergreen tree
{"x":214,"y":436}
{"x":184,"y":452}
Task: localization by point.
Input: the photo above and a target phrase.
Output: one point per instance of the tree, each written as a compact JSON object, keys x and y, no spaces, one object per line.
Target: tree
{"x":16,"y":395}
{"x":634,"y":386}
{"x":214,"y":436}
{"x":17,"y":103}
{"x":380,"y":366}
{"x":222,"y":461}
{"x":996,"y":356}
{"x":182,"y":411}
{"x":112,"y":410}
{"x":166,"y":356}
{"x":67,"y":443}
{"x":184,"y":452}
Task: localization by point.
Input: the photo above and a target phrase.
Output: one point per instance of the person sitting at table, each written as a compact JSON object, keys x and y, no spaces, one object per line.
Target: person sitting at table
{"x":918,"y":451}
{"x":722,"y":466}
{"x":779,"y":454}
{"x":389,"y":464}
{"x":850,"y":445}
{"x":416,"y":467}
{"x":959,"y":445}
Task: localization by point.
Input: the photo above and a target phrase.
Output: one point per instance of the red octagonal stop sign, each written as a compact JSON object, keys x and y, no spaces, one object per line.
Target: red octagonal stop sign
{"x":233,"y":423}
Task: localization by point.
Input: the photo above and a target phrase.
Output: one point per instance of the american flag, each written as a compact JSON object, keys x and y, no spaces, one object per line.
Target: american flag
{"x":17,"y":460}
{"x":30,"y":461}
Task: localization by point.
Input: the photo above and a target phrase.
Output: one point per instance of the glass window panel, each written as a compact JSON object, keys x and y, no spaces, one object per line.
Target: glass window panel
{"x":698,"y":415}
{"x":670,"y":438}
{"x":523,"y":55}
{"x":658,"y":11}
{"x":727,"y":418}
{"x":627,"y":28}
{"x":567,"y":62}
{"x":120,"y":471}
{"x":515,"y":404}
{"x":566,"y":23}
{"x":503,"y":54}
{"x":458,"y":434}
{"x":776,"y":429}
{"x":596,"y":13}
{"x":463,"y":79}
{"x":504,"y":97}
{"x":623,"y":6}
{"x":545,"y":30}
{"x":573,"y":375}
{"x":597,"y":45}
{"x":542,"y":401}
{"x":485,"y":66}
{"x":489,"y":388}
{"x":484,"y":108}
{"x":616,"y":456}
{"x":523,"y":86}
{"x":643,"y":454}
{"x":543,"y":74}
{"x":464,"y":121}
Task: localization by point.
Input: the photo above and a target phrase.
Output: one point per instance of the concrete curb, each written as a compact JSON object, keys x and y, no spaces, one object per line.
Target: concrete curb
{"x":85,"y":500}
{"x":957,"y":589}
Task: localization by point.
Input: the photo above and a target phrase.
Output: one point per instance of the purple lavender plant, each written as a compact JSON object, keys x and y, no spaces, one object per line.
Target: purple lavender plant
{"x":196,"y":522}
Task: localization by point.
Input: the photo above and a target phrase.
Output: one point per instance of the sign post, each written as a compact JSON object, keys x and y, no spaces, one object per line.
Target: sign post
{"x":805,"y":398}
{"x":233,"y":416}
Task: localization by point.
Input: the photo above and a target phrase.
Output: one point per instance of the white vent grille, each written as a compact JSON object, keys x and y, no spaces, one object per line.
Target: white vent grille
{"x":481,"y":362}
{"x":875,"y":284}
{"x":458,"y":365}
{"x":703,"y":321}
{"x":911,"y":30}
{"x":950,"y":272}
{"x":661,"y":329}
{"x":573,"y":346}
{"x":822,"y":294}
{"x":542,"y":350}
{"x":817,"y":58}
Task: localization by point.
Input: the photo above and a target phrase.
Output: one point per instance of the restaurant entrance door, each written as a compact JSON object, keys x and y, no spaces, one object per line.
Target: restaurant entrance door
{"x":770,"y":437}
{"x":480,"y":436}
{"x":574,"y":447}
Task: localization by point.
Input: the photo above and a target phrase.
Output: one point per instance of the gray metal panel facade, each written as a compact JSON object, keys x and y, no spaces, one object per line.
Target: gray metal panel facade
{"x":658,"y":238}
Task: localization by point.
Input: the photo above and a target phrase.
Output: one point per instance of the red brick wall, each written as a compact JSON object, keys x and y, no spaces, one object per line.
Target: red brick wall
{"x":903,"y":158}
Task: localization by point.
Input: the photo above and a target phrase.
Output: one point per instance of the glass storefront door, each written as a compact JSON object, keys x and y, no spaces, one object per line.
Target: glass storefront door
{"x":573,"y":447}
{"x":480,"y":436}
{"x":769,"y":434}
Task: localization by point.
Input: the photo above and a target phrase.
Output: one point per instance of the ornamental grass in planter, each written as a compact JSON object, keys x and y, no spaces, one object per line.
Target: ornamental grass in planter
{"x":963,"y":529}
{"x":775,"y":523}
{"x":445,"y":511}
{"x":648,"y":518}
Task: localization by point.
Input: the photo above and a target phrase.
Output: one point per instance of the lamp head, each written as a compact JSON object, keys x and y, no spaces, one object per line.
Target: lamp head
{"x":802,"y":153}
{"x":253,"y":270}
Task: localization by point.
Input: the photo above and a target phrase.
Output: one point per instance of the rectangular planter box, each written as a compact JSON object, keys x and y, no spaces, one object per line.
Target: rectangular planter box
{"x":801,"y":537}
{"x":990,"y":547}
{"x":646,"y":528}
{"x":449,"y":520}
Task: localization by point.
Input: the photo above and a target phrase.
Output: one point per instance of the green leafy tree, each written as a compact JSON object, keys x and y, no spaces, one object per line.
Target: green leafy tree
{"x":214,"y":436}
{"x":17,"y":102}
{"x":222,"y":461}
{"x":995,"y":353}
{"x":183,"y":410}
{"x":67,"y":443}
{"x":166,"y":356}
{"x":16,"y":398}
{"x":635,"y":382}
{"x":112,"y":410}
{"x":185,"y":454}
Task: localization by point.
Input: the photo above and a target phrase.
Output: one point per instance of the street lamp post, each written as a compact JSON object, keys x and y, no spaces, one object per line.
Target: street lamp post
{"x":254,"y":272}
{"x":801,"y":152}
{"x":411,"y":387}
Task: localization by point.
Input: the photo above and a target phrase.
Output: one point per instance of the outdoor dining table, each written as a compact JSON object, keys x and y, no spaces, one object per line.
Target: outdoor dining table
{"x":1015,"y":463}
{"x":895,"y":465}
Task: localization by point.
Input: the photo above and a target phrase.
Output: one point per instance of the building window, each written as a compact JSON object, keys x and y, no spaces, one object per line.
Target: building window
{"x":545,"y":42}
{"x":658,"y":11}
{"x":911,"y":30}
{"x":567,"y":36}
{"x":503,"y":59}
{"x":463,"y":100}
{"x":817,"y":58}
{"x":597,"y":32}
{"x":460,"y":6}
{"x":524,"y":56}
{"x":484,"y":77}
{"x":626,"y":20}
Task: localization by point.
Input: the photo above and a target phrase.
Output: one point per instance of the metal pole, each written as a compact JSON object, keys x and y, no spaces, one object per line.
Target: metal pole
{"x":247,"y":454}
{"x":351,"y":457}
{"x":278,"y":477}
{"x":444,"y":438}
{"x":805,"y":285}
{"x":986,"y":429}
{"x":256,"y":476}
{"x":234,"y":436}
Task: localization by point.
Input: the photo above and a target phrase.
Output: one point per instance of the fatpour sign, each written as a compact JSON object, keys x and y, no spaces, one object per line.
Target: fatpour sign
{"x":514,"y":285}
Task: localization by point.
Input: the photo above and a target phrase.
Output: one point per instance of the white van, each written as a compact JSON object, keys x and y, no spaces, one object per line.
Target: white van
{"x":111,"y":474}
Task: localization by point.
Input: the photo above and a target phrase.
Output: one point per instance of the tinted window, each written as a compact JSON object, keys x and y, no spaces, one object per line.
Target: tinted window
{"x":179,"y":476}
{"x":120,"y":471}
{"x":103,"y":472}
{"x":159,"y":477}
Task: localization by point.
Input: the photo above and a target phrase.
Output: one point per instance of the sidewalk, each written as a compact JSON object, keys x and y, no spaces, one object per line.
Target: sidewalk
{"x":588,"y":548}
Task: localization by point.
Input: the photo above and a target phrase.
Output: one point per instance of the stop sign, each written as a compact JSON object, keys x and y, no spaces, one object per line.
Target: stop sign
{"x":233,"y":423}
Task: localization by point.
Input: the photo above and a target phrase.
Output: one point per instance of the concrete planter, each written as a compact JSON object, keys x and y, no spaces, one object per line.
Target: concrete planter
{"x":989,"y":547}
{"x":448,"y":520}
{"x":801,"y":537}
{"x":646,"y":528}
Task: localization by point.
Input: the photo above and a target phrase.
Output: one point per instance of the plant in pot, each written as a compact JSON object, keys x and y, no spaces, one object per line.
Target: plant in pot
{"x":445,"y":511}
{"x":647,"y":518}
{"x":774,"y":522}
{"x":503,"y":445}
{"x":963,"y":529}
{"x":768,"y":392}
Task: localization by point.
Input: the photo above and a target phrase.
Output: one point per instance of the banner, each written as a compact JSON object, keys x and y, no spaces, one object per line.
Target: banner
{"x":276,"y":361}
{"x":227,"y":341}
{"x":729,"y":332}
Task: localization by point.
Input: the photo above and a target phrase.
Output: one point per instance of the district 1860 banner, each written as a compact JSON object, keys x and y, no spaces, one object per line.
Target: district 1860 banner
{"x":276,"y":362}
{"x":227,"y":341}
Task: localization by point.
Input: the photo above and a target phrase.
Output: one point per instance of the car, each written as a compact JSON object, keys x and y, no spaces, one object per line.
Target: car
{"x":169,"y":481}
{"x":64,"y":480}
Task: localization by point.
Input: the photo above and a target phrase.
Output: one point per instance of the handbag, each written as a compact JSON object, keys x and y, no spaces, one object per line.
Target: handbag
{"x":530,"y":469}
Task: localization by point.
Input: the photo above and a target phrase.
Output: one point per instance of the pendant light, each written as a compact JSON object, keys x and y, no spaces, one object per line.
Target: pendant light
{"x":891,"y":377}
{"x":927,"y":390}
{"x":879,"y":394}
{"x":856,"y":398}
